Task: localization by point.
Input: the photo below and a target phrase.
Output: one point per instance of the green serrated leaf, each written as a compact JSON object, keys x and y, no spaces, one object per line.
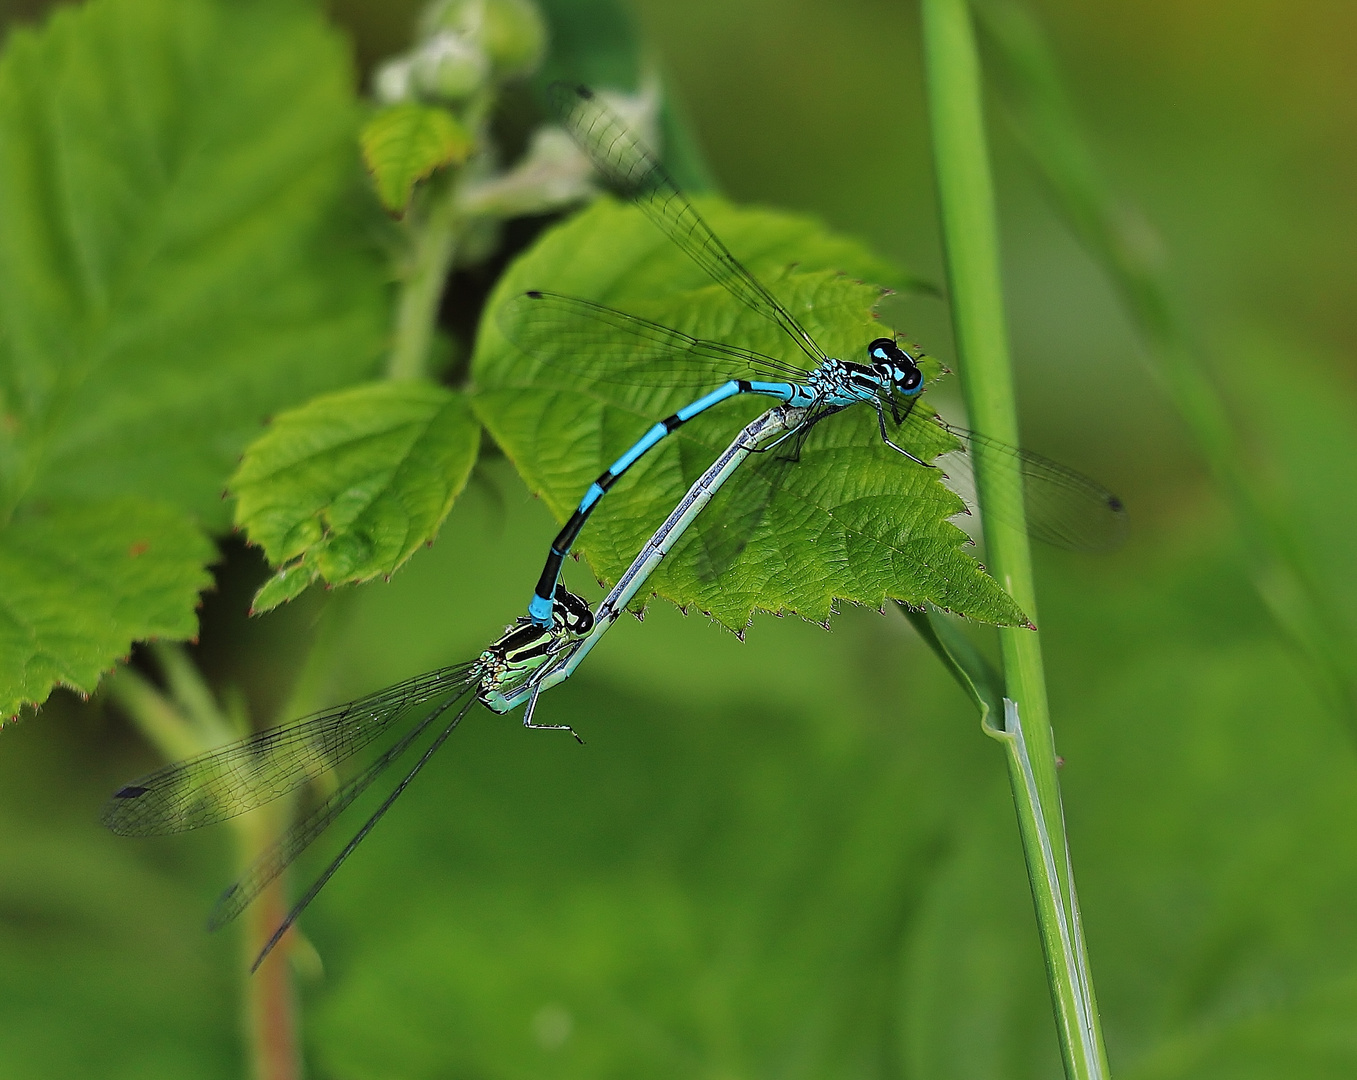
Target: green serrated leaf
{"x":177,"y":193}
{"x":80,"y":582}
{"x":348,"y":486}
{"x":405,"y":143}
{"x":851,"y":521}
{"x":174,"y":261}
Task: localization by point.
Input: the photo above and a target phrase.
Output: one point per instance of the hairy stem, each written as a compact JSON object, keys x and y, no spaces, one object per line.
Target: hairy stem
{"x":182,"y":725}
{"x":434,"y":247}
{"x":970,"y":240}
{"x":270,"y":1014}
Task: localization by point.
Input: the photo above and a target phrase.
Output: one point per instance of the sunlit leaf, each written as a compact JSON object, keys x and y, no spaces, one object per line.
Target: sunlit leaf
{"x":405,"y":143}
{"x":177,"y":190}
{"x":851,"y":521}
{"x":80,"y":582}
{"x":348,"y":486}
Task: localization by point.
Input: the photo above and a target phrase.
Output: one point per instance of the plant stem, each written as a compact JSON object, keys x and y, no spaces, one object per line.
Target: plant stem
{"x":970,"y":240}
{"x":186,"y":725}
{"x":270,"y":1005}
{"x":1044,"y":120}
{"x":435,"y":239}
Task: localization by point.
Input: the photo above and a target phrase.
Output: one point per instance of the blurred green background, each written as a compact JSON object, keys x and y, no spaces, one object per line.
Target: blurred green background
{"x":795,"y":856}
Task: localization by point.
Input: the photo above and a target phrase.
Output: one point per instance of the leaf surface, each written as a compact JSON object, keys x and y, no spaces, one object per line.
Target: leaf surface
{"x":852,"y":520}
{"x":178,"y":186}
{"x":405,"y":143}
{"x":84,"y":580}
{"x":348,"y":486}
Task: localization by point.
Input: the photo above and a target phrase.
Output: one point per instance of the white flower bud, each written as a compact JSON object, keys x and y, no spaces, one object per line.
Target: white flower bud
{"x":553,"y":173}
{"x":450,"y":67}
{"x":511,"y":33}
{"x":392,"y":82}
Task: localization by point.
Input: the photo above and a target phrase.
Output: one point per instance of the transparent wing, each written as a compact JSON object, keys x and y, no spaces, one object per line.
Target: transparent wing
{"x":243,"y":775}
{"x":630,"y":166}
{"x":716,"y":540}
{"x":1061,"y":507}
{"x":283,"y":852}
{"x":314,"y":890}
{"x":607,"y":345}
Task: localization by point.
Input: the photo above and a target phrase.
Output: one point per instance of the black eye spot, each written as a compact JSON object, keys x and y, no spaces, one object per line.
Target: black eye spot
{"x":912,"y":380}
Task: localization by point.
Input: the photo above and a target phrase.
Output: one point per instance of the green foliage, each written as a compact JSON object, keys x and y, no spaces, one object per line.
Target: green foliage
{"x":795,"y":855}
{"x":173,"y":269}
{"x":850,"y":521}
{"x":1211,"y":807}
{"x":405,"y":143}
{"x":1044,"y":119}
{"x":807,"y":855}
{"x":348,"y":486}
{"x":83,"y":580}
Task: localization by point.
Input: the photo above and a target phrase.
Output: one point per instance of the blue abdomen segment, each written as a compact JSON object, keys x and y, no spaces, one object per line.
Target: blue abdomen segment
{"x":539,"y":609}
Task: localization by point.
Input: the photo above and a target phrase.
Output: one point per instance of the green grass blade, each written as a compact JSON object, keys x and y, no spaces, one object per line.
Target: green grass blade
{"x":970,"y":239}
{"x":1044,"y":121}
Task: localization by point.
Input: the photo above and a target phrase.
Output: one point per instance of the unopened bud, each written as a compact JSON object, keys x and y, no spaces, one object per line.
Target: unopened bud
{"x":514,"y":36}
{"x":449,"y":67}
{"x":392,"y":83}
{"x":511,"y":33}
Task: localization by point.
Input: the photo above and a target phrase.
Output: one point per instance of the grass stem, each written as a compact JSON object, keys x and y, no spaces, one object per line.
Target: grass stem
{"x":970,"y":241}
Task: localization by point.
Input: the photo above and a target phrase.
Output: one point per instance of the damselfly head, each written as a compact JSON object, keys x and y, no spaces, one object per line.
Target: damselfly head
{"x":571,"y":612}
{"x":895,"y":365}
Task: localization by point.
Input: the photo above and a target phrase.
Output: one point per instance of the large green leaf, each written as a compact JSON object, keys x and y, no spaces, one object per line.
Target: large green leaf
{"x":348,"y":486}
{"x":83,"y":581}
{"x":851,"y":521}
{"x":177,"y":183}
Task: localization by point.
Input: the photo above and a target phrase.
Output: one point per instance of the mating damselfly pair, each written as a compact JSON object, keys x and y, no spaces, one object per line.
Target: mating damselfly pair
{"x":545,"y":647}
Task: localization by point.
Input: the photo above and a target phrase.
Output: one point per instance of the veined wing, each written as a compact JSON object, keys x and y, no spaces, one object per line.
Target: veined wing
{"x":1061,"y":507}
{"x":630,"y":166}
{"x":244,"y":775}
{"x":606,"y":345}
{"x":283,"y":852}
{"x":314,"y":889}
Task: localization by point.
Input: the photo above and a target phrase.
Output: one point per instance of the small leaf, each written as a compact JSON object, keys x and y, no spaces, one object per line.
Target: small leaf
{"x":348,"y":486}
{"x":404,"y":143}
{"x":853,"y":520}
{"x":80,"y":582}
{"x":287,"y":584}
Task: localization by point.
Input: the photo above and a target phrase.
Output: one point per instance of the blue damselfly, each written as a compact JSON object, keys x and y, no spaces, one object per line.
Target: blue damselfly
{"x":245,"y":775}
{"x":514,"y":669}
{"x":1062,"y":507}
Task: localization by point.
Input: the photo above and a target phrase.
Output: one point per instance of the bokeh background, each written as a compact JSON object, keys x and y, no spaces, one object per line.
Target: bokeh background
{"x":796,"y":856}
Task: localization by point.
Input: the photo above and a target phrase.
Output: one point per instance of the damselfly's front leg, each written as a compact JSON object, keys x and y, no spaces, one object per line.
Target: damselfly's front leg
{"x":532,"y":707}
{"x":885,"y":436}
